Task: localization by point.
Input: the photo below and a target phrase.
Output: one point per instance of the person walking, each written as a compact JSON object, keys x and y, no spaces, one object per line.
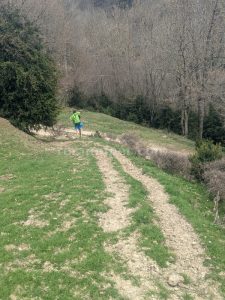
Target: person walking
{"x":76,"y":119}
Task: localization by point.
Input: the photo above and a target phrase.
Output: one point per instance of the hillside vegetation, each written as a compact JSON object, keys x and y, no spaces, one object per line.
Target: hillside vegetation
{"x":64,"y":234}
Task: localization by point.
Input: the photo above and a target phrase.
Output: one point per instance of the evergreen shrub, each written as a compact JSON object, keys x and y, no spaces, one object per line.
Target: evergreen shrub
{"x":206,"y":151}
{"x":28,"y":77}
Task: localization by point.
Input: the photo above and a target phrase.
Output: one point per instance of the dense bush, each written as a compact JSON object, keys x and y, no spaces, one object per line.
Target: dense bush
{"x":206,"y":152}
{"x":28,"y":76}
{"x":99,"y":103}
{"x":76,"y":98}
{"x":214,"y":127}
{"x":168,"y":119}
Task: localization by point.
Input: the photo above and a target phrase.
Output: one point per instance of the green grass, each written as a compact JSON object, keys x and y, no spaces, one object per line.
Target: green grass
{"x":186,"y":296}
{"x":107,"y":124}
{"x":187,"y":279}
{"x":42,"y":182}
{"x":163,"y":293}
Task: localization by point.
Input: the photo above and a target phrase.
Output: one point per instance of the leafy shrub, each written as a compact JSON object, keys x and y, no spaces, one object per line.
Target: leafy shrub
{"x":76,"y":98}
{"x":28,"y":77}
{"x":214,"y":127}
{"x":206,"y":152}
{"x":99,"y":103}
{"x":169,"y":119}
{"x":132,"y":117}
{"x":104,"y":102}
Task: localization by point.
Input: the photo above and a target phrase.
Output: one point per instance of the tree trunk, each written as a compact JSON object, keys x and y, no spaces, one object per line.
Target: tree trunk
{"x":65,"y":63}
{"x":201,"y":114}
{"x":185,"y":122}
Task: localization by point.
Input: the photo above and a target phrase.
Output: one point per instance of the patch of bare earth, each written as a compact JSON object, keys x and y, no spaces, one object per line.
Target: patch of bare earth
{"x":7,"y":177}
{"x":34,"y":220}
{"x":2,"y":190}
{"x":48,"y":267}
{"x":16,"y":295}
{"x":180,"y":238}
{"x":139,"y":265}
{"x":52,"y":196}
{"x":60,"y":132}
{"x":13,"y":248}
{"x":67,"y":224}
{"x":28,"y":263}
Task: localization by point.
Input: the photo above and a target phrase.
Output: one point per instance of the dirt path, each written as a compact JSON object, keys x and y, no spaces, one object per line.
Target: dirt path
{"x":70,"y":133}
{"x":118,"y":216}
{"x":179,"y":234}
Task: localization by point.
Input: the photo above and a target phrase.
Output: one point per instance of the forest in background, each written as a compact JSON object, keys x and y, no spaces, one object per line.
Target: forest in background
{"x":156,"y":62}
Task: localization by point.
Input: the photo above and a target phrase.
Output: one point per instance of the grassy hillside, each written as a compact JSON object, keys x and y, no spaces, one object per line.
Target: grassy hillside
{"x":51,"y":195}
{"x":51,"y":245}
{"x":107,"y":124}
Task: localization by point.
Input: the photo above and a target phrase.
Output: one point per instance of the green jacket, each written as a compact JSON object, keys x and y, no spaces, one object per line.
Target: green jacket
{"x":75,"y":118}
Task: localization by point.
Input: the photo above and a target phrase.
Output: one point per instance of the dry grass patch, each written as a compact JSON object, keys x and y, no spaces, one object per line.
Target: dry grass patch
{"x":16,"y":295}
{"x":28,"y":263}
{"x":7,"y":177}
{"x":53,"y":196}
{"x":34,"y":220}
{"x":214,"y":176}
{"x":49,"y":267}
{"x":15,"y":248}
{"x":170,"y":161}
{"x":2,"y":190}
